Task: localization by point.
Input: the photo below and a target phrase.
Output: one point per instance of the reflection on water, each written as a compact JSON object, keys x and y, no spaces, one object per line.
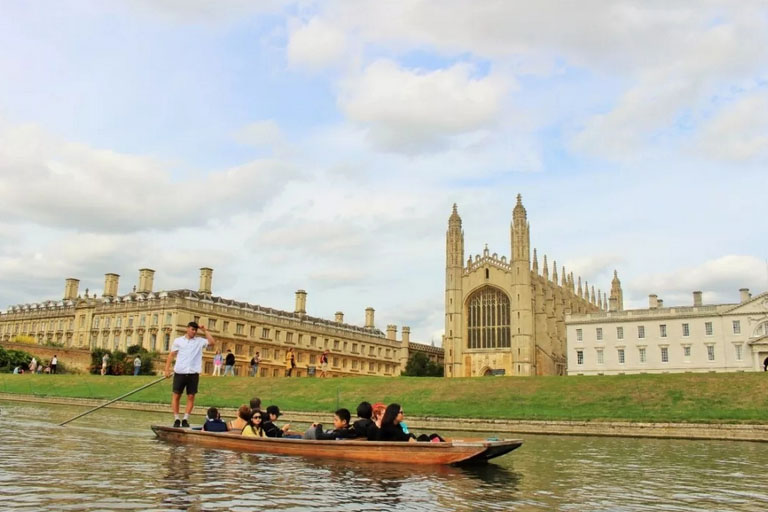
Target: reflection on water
{"x":110,"y":460}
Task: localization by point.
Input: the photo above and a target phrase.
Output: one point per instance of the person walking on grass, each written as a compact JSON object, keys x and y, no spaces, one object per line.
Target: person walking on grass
{"x":290,"y":362}
{"x":229,"y":364}
{"x":136,"y":365}
{"x":188,"y":350}
{"x":104,"y":363}
{"x":54,"y":364}
{"x":324,"y":364}
{"x":255,"y":360}
{"x":217,"y":360}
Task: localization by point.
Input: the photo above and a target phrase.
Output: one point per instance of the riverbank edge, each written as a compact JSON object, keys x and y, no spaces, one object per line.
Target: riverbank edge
{"x":697,"y":431}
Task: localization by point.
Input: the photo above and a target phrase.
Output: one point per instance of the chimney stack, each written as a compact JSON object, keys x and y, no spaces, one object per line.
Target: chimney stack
{"x":653,"y":301}
{"x":339,"y":317}
{"x":369,"y":318}
{"x":745,"y":295}
{"x":301,"y":302}
{"x":206,"y":278}
{"x":696,"y":299}
{"x":70,"y":288}
{"x":110,"y":285}
{"x":661,"y":303}
{"x":406,"y":334}
{"x":391,"y":332}
{"x":146,"y":280}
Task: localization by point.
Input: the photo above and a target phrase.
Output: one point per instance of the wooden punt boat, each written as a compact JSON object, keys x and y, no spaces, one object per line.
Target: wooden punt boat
{"x":457,"y":452}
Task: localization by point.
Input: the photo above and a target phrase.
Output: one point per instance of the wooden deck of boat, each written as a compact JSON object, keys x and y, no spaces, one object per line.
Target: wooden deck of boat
{"x":452,"y":452}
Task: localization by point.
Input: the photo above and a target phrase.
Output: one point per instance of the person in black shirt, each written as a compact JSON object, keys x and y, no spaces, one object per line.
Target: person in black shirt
{"x":229,"y":364}
{"x":363,"y":425}
{"x":390,"y":425}
{"x":341,"y":429}
{"x":269,"y":427}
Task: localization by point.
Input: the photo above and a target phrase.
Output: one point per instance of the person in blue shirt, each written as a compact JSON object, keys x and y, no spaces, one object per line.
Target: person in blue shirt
{"x":213,"y":421}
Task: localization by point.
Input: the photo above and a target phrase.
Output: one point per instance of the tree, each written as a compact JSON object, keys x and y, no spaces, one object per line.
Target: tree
{"x":419,"y":365}
{"x":10,"y":359}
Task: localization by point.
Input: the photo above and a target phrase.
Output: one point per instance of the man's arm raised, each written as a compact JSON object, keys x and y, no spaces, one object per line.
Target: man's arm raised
{"x":208,"y":336}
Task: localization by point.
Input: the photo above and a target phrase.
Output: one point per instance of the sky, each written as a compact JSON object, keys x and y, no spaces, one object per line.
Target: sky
{"x":321,"y":145}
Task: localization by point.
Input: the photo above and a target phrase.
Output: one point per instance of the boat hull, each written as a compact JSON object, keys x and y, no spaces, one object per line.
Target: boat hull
{"x":452,"y":452}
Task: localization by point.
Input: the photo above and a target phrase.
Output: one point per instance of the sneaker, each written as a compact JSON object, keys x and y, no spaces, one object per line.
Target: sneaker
{"x":184,"y":424}
{"x":177,"y":424}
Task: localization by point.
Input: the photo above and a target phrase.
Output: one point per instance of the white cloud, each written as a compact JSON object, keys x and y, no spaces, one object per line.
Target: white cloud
{"x":410,"y":110}
{"x":52,"y":182}
{"x":260,"y":133}
{"x":720,"y":279}
{"x":738,"y":132}
{"x":316,"y":44}
{"x":206,"y":11}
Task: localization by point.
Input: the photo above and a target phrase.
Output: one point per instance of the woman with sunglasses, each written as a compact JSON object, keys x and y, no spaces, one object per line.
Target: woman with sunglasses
{"x":390,"y":425}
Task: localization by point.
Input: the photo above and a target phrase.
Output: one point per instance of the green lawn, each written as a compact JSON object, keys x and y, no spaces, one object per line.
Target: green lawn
{"x":708,"y":397}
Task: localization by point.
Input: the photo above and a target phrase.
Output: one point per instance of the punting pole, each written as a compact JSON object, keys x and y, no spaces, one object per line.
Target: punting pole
{"x":145,"y":386}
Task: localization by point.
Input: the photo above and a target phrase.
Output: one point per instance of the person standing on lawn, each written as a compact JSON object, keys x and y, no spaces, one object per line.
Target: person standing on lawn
{"x":188,"y":350}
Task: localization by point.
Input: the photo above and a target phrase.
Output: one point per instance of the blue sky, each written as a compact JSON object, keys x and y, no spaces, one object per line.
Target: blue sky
{"x":320,"y":145}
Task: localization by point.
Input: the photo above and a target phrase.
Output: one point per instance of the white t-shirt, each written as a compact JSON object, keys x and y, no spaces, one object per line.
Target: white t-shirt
{"x":190,"y":354}
{"x":55,"y":360}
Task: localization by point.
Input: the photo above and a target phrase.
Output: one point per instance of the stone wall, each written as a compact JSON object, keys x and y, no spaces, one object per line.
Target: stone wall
{"x":74,"y":359}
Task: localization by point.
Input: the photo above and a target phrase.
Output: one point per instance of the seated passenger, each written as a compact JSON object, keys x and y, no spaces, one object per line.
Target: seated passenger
{"x":341,"y":429}
{"x":243,"y":415}
{"x":363,"y":425}
{"x":376,"y":417}
{"x":253,"y":428}
{"x":270,"y":429}
{"x":256,"y":406}
{"x":213,"y":421}
{"x":390,"y":425}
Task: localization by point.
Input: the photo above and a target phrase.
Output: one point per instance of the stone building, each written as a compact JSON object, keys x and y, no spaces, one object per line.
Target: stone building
{"x":153,"y":319}
{"x":507,"y":317}
{"x":694,"y":338}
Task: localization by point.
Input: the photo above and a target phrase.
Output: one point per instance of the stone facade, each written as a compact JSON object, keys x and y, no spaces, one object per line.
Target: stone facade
{"x":659,"y":339}
{"x":154,"y":318}
{"x":505,"y":316}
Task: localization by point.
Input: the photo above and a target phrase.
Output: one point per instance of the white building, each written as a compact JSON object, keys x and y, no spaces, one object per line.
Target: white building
{"x":698,"y":338}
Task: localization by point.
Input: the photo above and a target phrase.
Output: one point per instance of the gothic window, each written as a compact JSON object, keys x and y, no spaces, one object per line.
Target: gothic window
{"x":488,"y":319}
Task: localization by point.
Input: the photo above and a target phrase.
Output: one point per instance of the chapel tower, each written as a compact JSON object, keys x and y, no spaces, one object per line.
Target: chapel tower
{"x":521,"y":294}
{"x":454,"y":266}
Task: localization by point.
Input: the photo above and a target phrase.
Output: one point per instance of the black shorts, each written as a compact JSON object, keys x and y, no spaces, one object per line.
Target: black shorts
{"x":185,"y":380}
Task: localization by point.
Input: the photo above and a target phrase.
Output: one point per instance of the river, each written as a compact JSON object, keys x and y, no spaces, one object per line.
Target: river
{"x":110,"y":460}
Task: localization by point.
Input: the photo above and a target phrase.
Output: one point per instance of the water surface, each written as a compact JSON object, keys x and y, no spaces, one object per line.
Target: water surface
{"x":110,"y":460}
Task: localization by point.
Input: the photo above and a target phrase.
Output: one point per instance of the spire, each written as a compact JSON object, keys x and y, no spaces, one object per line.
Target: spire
{"x":605,"y":302}
{"x":592,"y":296}
{"x":519,"y":211}
{"x":545,"y":270}
{"x":520,"y":234}
{"x":535,"y":262}
{"x":454,"y":219}
{"x":454,"y":240}
{"x":580,"y":290}
{"x":617,"y":295}
{"x":599,"y":299}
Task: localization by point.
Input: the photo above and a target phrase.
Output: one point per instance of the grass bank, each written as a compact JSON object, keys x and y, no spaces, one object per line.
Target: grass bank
{"x":707,"y":398}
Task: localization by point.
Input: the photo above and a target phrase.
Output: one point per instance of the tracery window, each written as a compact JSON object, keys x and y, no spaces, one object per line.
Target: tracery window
{"x":488,"y":319}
